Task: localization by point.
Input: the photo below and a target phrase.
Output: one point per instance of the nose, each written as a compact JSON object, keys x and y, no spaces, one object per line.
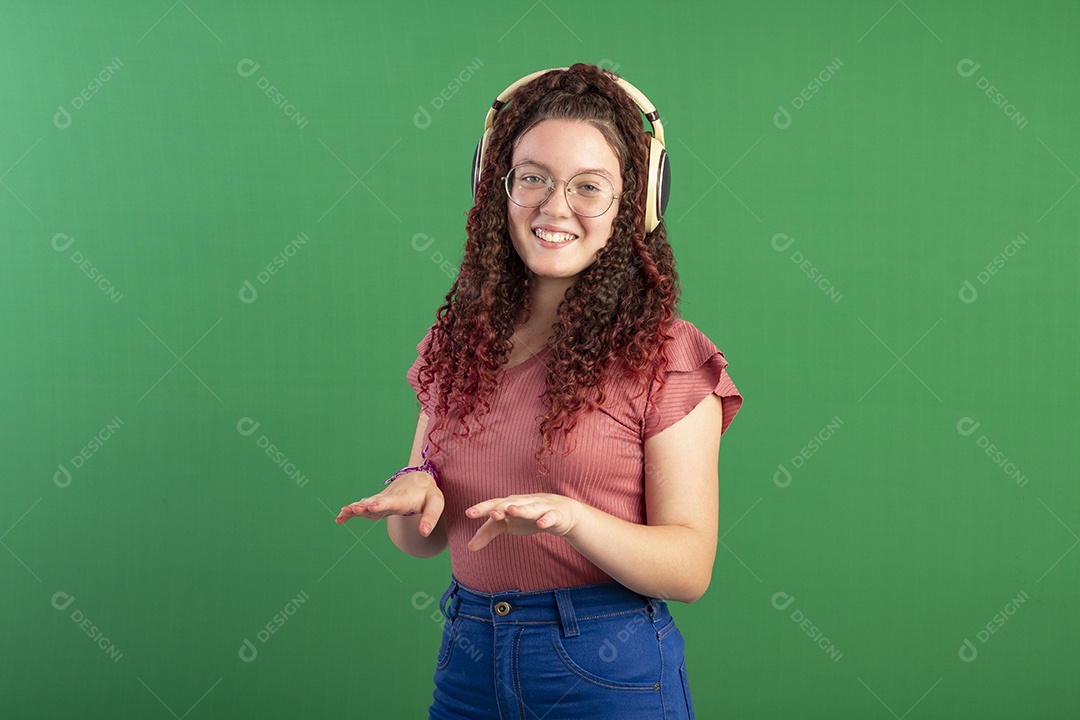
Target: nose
{"x":557,"y":203}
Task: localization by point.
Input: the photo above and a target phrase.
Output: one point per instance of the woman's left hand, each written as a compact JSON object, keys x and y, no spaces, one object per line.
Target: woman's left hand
{"x":523,"y":515}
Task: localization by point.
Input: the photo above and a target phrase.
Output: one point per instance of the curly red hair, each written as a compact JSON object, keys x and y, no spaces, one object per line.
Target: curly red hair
{"x":615,"y":319}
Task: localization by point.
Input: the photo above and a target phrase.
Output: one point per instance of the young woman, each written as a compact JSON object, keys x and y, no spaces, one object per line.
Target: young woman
{"x":568,"y":441}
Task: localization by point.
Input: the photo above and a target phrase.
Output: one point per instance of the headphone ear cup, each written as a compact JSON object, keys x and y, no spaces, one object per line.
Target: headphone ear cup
{"x":664,"y":180}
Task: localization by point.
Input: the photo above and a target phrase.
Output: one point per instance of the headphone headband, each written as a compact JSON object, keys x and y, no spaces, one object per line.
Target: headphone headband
{"x":659,"y":181}
{"x":643,"y":103}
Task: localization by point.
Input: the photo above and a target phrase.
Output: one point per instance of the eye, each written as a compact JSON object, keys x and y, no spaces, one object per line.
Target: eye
{"x":591,"y":186}
{"x":532,"y":180}
{"x":529,"y":176}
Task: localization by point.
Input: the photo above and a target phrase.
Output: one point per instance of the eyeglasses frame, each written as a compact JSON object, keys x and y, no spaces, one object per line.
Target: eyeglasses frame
{"x":551,"y":190}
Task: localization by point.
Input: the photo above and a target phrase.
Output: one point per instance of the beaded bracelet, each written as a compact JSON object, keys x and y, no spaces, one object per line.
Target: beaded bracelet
{"x":425,"y":466}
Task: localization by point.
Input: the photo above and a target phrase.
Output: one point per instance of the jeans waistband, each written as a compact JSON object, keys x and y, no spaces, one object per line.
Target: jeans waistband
{"x":565,"y":606}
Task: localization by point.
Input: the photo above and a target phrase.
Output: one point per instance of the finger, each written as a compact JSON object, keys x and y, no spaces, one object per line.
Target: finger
{"x":502,"y":510}
{"x":487,"y":532}
{"x":433,"y":509}
{"x":349,"y":511}
{"x":548,"y":520}
{"x":355,"y":510}
{"x":481,"y":509}
{"x":375,"y":508}
{"x":524,"y":511}
{"x":383,"y":505}
{"x":543,"y":515}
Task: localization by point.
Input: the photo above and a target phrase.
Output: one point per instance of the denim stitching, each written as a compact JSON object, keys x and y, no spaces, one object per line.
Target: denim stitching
{"x":467,"y":599}
{"x":611,"y":614}
{"x":684,"y":682}
{"x":517,"y":674}
{"x":567,"y":615}
{"x":660,"y":644}
{"x":594,"y":679}
{"x":451,"y":640}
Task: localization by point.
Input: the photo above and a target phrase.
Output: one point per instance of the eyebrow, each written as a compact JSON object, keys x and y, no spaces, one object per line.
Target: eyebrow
{"x":596,"y":171}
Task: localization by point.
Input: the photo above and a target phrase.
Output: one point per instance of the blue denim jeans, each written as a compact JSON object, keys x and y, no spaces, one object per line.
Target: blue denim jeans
{"x":590,"y":651}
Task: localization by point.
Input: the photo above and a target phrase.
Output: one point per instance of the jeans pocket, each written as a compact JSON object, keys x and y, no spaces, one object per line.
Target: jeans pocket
{"x":619,"y":653}
{"x":446,"y":647}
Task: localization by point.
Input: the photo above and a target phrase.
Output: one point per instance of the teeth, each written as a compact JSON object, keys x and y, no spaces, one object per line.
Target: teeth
{"x":555,"y":237}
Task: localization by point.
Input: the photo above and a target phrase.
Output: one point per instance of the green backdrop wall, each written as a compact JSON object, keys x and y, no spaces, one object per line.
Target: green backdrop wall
{"x":225,"y":226}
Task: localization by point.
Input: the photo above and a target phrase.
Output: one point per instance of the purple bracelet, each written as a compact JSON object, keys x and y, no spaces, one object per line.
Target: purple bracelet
{"x":425,"y":466}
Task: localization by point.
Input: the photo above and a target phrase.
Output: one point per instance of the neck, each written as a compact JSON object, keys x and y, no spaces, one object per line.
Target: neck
{"x":545,"y":297}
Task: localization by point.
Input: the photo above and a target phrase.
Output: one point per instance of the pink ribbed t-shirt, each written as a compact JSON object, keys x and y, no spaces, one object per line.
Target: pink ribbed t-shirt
{"x":605,"y":468}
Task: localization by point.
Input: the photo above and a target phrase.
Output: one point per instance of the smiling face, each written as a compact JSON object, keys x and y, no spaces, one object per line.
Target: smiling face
{"x":552,"y":240}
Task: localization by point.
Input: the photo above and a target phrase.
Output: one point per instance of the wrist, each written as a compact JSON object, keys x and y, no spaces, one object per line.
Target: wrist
{"x":578,"y":517}
{"x":425,"y":467}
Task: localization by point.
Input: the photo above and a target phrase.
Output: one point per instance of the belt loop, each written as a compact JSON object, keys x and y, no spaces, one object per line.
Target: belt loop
{"x":655,"y":606}
{"x":449,"y":609}
{"x":566,"y":613}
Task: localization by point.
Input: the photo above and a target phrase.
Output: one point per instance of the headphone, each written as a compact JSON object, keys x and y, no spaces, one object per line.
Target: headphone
{"x":659,"y":181}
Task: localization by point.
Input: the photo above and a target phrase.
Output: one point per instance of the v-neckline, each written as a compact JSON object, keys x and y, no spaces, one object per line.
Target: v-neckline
{"x":529,"y":360}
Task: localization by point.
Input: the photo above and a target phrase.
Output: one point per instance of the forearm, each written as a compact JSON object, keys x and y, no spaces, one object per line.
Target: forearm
{"x":672,"y":558}
{"x":666,"y":561}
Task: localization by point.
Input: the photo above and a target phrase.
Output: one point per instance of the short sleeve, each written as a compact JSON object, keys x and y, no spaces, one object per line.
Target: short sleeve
{"x":695,"y":368}
{"x":413,"y":376}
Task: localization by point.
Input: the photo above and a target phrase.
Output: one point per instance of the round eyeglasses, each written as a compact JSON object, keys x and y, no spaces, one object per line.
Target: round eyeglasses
{"x":588,"y":194}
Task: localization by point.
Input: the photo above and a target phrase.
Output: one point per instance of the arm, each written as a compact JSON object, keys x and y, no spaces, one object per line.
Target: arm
{"x":422,"y":534}
{"x":672,"y":556}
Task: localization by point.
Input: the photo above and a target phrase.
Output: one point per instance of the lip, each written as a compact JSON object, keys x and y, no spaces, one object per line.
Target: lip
{"x":552,"y":229}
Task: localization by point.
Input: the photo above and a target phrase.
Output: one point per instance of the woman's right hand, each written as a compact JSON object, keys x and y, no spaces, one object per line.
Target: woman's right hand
{"x":412,"y":493}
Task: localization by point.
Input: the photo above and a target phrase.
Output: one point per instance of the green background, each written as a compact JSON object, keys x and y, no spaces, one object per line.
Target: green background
{"x":884,"y":392}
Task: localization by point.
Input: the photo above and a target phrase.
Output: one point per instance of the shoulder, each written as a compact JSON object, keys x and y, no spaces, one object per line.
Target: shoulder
{"x":422,"y":346}
{"x":420,"y":363}
{"x":693,"y":368}
{"x":687,"y":348}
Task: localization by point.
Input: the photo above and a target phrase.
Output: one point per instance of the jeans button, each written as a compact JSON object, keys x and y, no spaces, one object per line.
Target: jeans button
{"x":502,"y":609}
